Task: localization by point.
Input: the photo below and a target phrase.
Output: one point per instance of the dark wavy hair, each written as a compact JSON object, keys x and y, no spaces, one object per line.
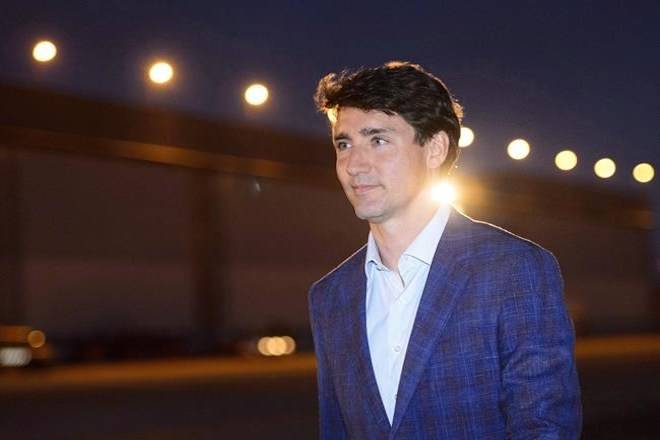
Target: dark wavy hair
{"x":399,"y":88}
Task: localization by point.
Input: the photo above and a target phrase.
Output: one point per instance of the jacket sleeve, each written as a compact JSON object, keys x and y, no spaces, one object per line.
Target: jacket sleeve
{"x":536,"y":343}
{"x":331,"y":422}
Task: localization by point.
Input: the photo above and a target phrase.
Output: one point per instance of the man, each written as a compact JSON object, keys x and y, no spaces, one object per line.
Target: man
{"x":440,"y":327}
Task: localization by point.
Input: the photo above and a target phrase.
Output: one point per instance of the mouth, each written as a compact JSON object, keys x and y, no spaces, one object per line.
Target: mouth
{"x":363,"y":189}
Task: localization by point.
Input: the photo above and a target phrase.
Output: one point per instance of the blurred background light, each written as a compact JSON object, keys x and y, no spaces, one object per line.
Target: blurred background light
{"x":566,"y":160}
{"x":161,"y":72}
{"x":44,"y":51}
{"x":256,"y":94}
{"x":15,"y":356}
{"x":444,"y":192}
{"x":518,"y":149}
{"x":290,"y":344}
{"x":276,"y":345}
{"x":643,"y":172}
{"x":467,"y":137}
{"x":605,"y":168}
{"x":262,"y":346}
{"x":36,"y":339}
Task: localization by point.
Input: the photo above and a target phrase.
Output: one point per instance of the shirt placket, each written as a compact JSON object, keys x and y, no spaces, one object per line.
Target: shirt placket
{"x":397,"y":328}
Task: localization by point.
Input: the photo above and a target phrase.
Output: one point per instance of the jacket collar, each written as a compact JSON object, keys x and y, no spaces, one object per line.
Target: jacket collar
{"x":443,"y":286}
{"x":355,"y":289}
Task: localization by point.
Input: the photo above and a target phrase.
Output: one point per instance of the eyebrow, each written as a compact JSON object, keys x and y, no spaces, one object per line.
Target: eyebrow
{"x":367,"y":131}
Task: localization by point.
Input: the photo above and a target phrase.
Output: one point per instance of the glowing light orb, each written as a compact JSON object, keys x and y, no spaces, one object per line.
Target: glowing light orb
{"x":36,"y":338}
{"x":276,"y":345}
{"x":566,"y":160}
{"x":256,"y":94}
{"x":161,"y":72}
{"x":467,"y":137}
{"x":444,"y":192}
{"x":262,"y":346}
{"x":44,"y":51}
{"x":518,"y":149}
{"x":290,"y":344}
{"x":605,"y":168}
{"x":643,"y":172}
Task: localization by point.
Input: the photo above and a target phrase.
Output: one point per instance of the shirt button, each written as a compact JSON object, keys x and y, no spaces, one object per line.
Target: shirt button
{"x":397,"y":348}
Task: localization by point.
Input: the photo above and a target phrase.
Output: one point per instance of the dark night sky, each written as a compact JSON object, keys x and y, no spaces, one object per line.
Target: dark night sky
{"x":582,"y":75}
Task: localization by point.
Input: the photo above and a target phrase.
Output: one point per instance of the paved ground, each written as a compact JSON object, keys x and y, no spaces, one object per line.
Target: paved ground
{"x":275,"y":398}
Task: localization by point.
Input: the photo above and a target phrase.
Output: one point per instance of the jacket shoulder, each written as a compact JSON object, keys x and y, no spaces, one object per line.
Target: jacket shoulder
{"x":489,"y":241}
{"x":510,"y":266}
{"x":336,"y":275}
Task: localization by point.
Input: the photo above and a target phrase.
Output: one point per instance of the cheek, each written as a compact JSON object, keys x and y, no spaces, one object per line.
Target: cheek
{"x":339,"y":166}
{"x":340,"y":170}
{"x":407,"y":174}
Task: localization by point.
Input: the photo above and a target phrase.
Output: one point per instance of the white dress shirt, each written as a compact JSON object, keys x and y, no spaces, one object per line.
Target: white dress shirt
{"x":392,"y":303}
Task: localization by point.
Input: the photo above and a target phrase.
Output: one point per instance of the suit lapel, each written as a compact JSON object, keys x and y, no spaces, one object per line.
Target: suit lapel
{"x":443,"y":285}
{"x":355,"y":291}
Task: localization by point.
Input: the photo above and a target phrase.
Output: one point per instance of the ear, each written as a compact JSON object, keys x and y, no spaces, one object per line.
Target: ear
{"x":436,"y":150}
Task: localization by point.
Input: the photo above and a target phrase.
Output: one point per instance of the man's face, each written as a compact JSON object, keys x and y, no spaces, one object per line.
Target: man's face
{"x":384,"y":172}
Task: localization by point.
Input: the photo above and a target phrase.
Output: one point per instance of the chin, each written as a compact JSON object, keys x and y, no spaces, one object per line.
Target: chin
{"x":370,"y":210}
{"x":372,"y":216}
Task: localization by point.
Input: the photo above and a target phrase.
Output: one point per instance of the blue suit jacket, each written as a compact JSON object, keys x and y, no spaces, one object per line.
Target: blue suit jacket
{"x":490,"y":355}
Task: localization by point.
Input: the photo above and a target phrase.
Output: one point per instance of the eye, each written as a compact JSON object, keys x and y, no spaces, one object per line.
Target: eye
{"x":378,"y":141}
{"x":342,"y":145}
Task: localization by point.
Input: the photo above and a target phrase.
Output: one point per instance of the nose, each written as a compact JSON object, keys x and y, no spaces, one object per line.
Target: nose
{"x":358,"y":161}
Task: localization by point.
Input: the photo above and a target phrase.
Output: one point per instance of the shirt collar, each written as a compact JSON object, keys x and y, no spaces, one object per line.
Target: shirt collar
{"x":423,"y":246}
{"x":373,"y":256}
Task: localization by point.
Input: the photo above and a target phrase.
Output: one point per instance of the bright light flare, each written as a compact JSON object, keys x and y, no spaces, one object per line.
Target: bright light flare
{"x":444,"y":192}
{"x":643,"y":172}
{"x":44,"y":51}
{"x":605,"y":168}
{"x":161,"y":72}
{"x":467,"y":137}
{"x":256,"y":94}
{"x":566,"y":160}
{"x":518,"y":149}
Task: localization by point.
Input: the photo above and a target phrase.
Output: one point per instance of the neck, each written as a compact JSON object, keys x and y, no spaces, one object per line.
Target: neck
{"x":395,"y":235}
